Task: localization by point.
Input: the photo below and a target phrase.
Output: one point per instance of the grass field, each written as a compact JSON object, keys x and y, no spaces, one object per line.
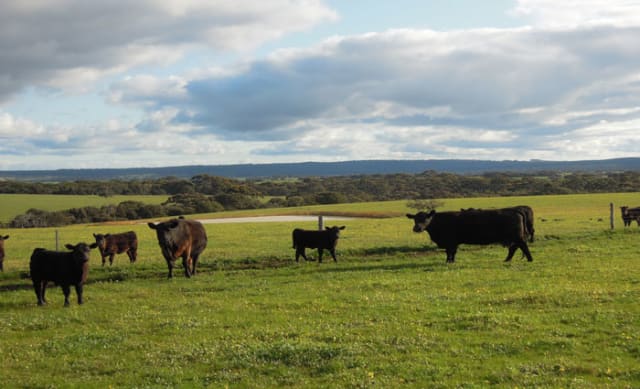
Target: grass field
{"x":390,"y":313}
{"x":13,"y":205}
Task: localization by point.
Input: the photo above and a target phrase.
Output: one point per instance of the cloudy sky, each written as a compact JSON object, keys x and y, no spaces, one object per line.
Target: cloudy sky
{"x":122,"y":83}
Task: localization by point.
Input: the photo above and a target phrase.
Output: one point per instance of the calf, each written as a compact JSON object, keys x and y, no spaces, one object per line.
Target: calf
{"x":112,"y":244}
{"x":62,"y":268}
{"x":2,"y":239}
{"x":321,"y":240}
{"x":181,"y":238}
{"x":629,"y":215}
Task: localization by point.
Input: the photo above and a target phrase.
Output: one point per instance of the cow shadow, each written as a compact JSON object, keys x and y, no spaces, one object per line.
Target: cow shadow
{"x":394,"y":250}
{"x":425,"y":267}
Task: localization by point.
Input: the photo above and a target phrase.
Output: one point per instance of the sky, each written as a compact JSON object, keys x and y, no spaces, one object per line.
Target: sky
{"x":150,"y":83}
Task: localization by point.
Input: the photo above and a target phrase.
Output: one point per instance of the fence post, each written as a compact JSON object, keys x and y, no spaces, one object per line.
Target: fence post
{"x":611,"y":215}
{"x":320,"y":223}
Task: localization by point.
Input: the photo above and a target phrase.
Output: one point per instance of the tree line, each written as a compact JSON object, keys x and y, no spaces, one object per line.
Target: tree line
{"x":206,"y":193}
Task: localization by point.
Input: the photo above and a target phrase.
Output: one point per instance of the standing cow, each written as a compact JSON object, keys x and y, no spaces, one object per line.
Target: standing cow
{"x":62,"y":268}
{"x":181,"y":238}
{"x":2,"y":239}
{"x":629,"y":215}
{"x":527,"y":214}
{"x":112,"y":244}
{"x":450,"y":229}
{"x":321,"y":240}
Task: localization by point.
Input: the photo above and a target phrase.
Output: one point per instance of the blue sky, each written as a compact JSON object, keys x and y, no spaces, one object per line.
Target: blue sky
{"x":177,"y":82}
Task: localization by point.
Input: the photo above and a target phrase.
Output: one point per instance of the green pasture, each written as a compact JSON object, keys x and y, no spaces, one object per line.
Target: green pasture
{"x":390,"y":313}
{"x":12,"y":205}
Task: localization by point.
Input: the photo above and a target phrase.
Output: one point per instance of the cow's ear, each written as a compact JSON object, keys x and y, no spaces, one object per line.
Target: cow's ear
{"x":433,"y":212}
{"x":94,"y":235}
{"x":152,"y":226}
{"x":69,"y":246}
{"x":5,"y":237}
{"x":342,"y":227}
{"x":93,"y":245}
{"x":410,"y":216}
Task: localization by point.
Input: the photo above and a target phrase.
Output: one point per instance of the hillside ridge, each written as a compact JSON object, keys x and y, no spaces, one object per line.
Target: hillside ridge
{"x":326,"y":169}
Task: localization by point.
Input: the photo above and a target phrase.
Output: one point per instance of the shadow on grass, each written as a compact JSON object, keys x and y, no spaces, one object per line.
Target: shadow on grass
{"x":356,"y":260}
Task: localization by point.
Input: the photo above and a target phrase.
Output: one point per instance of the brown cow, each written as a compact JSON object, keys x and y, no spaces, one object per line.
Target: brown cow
{"x":181,"y":238}
{"x":112,"y":244}
{"x":2,"y":239}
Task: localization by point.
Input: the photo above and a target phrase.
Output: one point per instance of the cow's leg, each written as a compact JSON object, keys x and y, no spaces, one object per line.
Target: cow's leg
{"x":512,"y":249}
{"x":319,"y":255}
{"x":186,"y":263}
{"x":132,"y":255}
{"x":66,"y":289}
{"x":79,"y":288}
{"x":333,"y":254}
{"x":301,"y":251}
{"x":194,"y":264}
{"x":170,"y":265}
{"x":104,"y":259}
{"x":37,"y":288}
{"x":111,"y":258}
{"x":451,"y":254}
{"x":525,"y":249}
{"x":43,"y":291}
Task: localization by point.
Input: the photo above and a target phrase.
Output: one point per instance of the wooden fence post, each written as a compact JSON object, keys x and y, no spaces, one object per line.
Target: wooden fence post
{"x":611,"y":215}
{"x":57,"y":241}
{"x":320,"y":223}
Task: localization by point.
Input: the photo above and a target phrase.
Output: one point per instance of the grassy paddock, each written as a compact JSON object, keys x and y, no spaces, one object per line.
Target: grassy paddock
{"x":17,"y":204}
{"x":390,"y":313}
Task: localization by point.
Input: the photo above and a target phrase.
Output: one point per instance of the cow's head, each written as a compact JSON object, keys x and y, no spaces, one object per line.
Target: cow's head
{"x":101,"y":241}
{"x":81,"y":251}
{"x":335,"y":231}
{"x":167,"y":236}
{"x":421,"y":220}
{"x":624,"y":210}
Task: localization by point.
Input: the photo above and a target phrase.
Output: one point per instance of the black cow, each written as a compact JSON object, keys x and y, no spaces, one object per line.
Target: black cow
{"x":2,"y":239}
{"x":629,"y":215}
{"x":527,"y":213}
{"x":181,"y":238}
{"x":450,"y":229}
{"x":112,"y":244}
{"x":316,"y":239}
{"x":62,"y":268}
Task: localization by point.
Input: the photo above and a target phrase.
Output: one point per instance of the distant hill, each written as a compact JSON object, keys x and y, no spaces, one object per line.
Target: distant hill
{"x":323,"y":169}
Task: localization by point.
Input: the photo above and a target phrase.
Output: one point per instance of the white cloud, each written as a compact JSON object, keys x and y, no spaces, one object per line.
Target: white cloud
{"x":566,"y":86}
{"x":579,"y":13}
{"x":67,"y":43}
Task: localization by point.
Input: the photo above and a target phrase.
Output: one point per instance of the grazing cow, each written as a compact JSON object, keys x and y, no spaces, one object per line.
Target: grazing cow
{"x":629,"y":215}
{"x":321,"y":240}
{"x":181,"y":238}
{"x":527,"y":213}
{"x":2,"y":239}
{"x":450,"y":229}
{"x":112,"y":244}
{"x":62,"y":268}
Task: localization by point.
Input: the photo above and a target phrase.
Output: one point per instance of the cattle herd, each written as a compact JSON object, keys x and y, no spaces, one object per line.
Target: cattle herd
{"x":511,"y":227}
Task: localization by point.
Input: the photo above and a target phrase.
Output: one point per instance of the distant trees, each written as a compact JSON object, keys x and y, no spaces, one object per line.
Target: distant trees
{"x":205,"y":193}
